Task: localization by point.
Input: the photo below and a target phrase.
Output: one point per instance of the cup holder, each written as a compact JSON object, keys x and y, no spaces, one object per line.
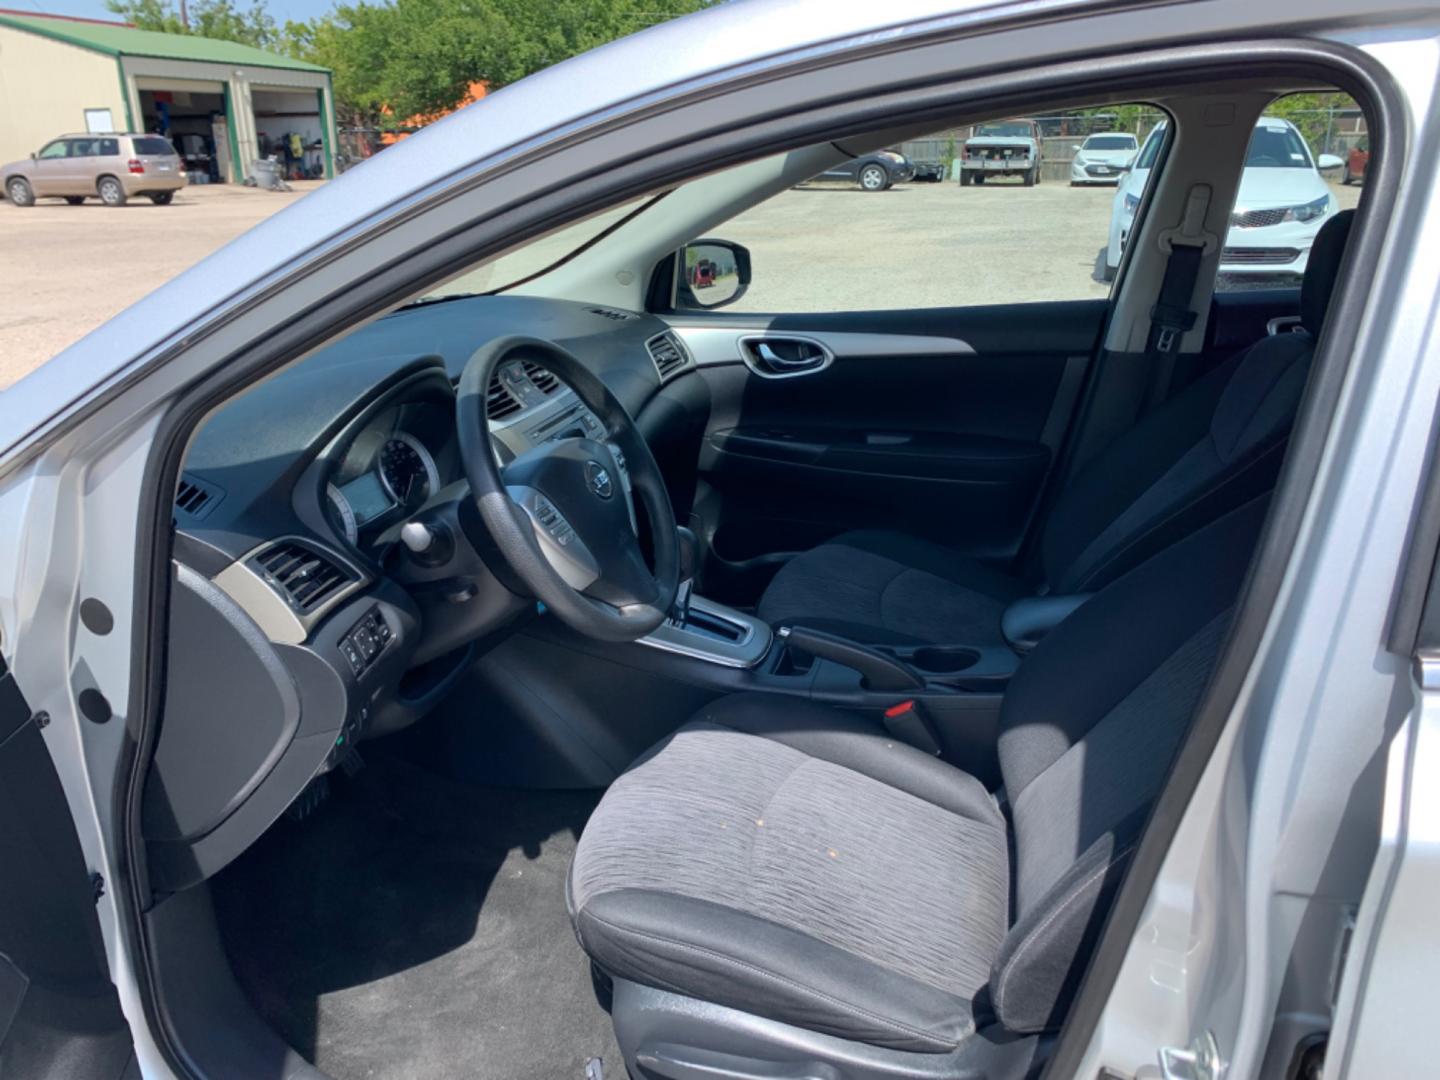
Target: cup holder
{"x":944,"y":659}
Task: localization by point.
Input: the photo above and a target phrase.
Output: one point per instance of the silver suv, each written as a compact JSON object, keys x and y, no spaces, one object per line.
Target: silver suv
{"x":112,"y":168}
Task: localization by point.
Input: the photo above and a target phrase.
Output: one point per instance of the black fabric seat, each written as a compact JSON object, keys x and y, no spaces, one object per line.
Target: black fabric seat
{"x":796,"y":863}
{"x":1214,"y":445}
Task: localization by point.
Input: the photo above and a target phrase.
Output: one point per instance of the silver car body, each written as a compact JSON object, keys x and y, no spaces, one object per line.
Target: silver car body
{"x":1326,"y":711}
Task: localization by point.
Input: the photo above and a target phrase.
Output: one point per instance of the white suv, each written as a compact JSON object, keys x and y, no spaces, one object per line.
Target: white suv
{"x":1281,"y":205}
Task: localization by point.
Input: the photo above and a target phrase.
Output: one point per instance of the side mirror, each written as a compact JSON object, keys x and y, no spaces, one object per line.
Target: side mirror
{"x":1329,"y":161}
{"x":711,"y":274}
{"x":34,"y":155}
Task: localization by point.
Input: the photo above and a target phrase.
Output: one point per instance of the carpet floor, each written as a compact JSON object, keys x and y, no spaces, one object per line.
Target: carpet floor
{"x":415,"y":928}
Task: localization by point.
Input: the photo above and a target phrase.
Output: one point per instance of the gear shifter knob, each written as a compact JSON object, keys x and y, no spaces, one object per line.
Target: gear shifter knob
{"x":689,"y":552}
{"x":689,"y":558}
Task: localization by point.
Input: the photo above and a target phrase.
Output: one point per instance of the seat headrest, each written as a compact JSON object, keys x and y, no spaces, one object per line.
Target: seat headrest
{"x":1322,"y":269}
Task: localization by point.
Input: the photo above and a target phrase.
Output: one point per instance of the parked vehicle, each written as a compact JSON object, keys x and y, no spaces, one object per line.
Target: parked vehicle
{"x":1020,"y":705}
{"x":1103,"y":158}
{"x":872,"y":172}
{"x":1282,"y":202}
{"x":1356,"y":162}
{"x":929,"y":172}
{"x":111,"y":168}
{"x":1002,"y":148}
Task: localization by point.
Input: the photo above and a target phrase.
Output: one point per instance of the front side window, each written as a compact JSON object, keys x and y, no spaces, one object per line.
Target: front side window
{"x":1002,"y":212}
{"x":56,"y":149}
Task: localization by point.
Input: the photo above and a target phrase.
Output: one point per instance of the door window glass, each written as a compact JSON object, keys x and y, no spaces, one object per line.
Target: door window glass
{"x":109,"y":147}
{"x":1014,"y":210}
{"x":55,"y":150}
{"x":1294,"y":180}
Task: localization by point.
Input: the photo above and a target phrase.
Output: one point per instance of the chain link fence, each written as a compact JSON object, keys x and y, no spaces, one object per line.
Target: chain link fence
{"x":1335,"y":130}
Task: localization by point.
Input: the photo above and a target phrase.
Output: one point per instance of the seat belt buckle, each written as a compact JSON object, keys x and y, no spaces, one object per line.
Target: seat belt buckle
{"x":908,"y":723}
{"x":1170,"y":324}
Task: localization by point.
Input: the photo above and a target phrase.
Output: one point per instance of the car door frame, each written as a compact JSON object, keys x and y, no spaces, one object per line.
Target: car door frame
{"x":180,"y":370}
{"x":59,"y":1006}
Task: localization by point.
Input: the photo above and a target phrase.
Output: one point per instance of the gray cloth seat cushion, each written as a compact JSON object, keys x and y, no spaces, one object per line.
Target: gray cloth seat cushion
{"x":792,"y":861}
{"x":886,"y":588}
{"x":796,"y":862}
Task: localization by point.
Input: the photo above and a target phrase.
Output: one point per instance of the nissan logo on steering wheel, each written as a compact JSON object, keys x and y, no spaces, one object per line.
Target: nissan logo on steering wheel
{"x":597,"y":479}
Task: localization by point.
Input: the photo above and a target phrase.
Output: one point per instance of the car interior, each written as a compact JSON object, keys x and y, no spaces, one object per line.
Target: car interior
{"x":570,"y":673}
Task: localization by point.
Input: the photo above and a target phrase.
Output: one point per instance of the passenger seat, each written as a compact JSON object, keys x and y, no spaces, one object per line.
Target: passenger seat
{"x":1214,"y":446}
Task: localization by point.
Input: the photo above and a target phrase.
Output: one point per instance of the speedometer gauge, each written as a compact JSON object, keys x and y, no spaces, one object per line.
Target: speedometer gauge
{"x":407,"y":470}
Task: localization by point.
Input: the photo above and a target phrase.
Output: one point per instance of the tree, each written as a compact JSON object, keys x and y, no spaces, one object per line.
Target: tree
{"x":419,"y":57}
{"x":402,"y":58}
{"x":220,"y":19}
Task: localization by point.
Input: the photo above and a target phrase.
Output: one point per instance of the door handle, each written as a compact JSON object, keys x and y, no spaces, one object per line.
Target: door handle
{"x":805,"y":356}
{"x":769,"y":355}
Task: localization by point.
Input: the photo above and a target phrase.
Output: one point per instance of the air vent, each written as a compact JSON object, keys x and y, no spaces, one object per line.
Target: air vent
{"x":667,"y":352}
{"x":195,"y":499}
{"x":543,"y":379}
{"x":301,"y":574}
{"x":612,"y":313}
{"x":499,"y":402}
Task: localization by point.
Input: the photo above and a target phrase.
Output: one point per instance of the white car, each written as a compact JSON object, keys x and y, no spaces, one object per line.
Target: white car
{"x":1280,"y":207}
{"x":1103,"y":158}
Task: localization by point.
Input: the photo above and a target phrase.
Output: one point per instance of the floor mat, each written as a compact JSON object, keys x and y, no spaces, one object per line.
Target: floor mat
{"x":416,"y":928}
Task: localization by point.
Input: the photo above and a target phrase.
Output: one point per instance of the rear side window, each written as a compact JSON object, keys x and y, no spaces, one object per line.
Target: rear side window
{"x":109,"y":147}
{"x":154,"y":146}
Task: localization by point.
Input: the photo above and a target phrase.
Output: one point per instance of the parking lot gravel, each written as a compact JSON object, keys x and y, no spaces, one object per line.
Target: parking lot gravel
{"x":67,"y":269}
{"x":822,"y":248}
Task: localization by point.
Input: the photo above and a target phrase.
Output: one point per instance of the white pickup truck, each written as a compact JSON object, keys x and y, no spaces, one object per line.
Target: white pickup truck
{"x":1002,"y":148}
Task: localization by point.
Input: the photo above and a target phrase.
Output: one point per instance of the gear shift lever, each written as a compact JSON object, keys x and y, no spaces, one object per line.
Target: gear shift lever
{"x":689,"y":556}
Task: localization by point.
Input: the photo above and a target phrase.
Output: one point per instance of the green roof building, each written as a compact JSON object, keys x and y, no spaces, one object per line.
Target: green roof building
{"x":221,"y":103}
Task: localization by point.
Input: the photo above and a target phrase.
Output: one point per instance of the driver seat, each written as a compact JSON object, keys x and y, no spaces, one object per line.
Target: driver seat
{"x":780,"y":881}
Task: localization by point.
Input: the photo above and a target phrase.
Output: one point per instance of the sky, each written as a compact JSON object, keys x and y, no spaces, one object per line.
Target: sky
{"x":280,"y":10}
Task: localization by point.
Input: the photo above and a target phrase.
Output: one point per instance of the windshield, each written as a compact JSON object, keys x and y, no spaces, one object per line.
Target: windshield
{"x":1277,"y":148}
{"x":538,"y":255}
{"x":1005,"y":129}
{"x":1109,"y":142}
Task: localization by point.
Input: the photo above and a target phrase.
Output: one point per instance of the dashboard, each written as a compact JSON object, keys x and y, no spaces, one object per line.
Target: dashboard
{"x":299,"y":624}
{"x":390,"y":468}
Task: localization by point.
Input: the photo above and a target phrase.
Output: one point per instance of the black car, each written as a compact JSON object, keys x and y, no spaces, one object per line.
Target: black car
{"x":873,"y":172}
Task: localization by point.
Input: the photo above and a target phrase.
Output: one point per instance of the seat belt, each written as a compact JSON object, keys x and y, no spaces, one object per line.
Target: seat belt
{"x":1173,"y":315}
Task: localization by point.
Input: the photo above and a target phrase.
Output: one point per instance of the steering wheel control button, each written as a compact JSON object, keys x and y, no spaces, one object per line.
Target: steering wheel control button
{"x":366,"y":640}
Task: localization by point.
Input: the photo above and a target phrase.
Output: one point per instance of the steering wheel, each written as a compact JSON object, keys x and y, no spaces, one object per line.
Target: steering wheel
{"x":560,"y":514}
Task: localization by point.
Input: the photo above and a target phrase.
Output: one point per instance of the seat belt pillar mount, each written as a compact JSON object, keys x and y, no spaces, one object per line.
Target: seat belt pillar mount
{"x":1188,"y":243}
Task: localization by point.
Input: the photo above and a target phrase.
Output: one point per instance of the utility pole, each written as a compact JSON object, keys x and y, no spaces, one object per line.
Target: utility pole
{"x":184,"y":16}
